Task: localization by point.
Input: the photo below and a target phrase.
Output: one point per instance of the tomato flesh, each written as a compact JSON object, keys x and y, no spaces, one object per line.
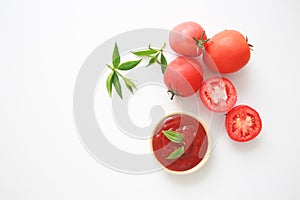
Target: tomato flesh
{"x":243,"y":123}
{"x":195,"y":139}
{"x":218,"y":94}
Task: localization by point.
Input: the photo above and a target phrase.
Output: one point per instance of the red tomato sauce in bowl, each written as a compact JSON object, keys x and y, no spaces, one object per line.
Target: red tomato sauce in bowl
{"x":196,"y":143}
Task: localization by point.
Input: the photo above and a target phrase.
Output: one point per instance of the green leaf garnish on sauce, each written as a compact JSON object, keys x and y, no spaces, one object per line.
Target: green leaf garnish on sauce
{"x":176,"y":137}
{"x":173,"y":136}
{"x":176,"y":153}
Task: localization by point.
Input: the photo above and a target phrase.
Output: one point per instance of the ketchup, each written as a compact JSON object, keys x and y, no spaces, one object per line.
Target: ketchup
{"x":195,"y":142}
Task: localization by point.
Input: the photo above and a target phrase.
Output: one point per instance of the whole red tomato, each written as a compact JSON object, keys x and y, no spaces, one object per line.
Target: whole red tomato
{"x":227,"y":51}
{"x":187,"y":39}
{"x":183,"y":76}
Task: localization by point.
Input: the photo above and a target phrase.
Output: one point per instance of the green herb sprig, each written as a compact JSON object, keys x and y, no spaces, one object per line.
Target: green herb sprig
{"x":155,"y":55}
{"x":176,"y":137}
{"x":114,"y":77}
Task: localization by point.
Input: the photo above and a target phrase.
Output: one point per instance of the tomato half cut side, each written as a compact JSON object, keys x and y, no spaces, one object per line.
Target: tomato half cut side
{"x":218,"y":94}
{"x":243,"y":123}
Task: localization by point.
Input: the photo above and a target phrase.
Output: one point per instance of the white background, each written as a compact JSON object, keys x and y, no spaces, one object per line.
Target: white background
{"x":42,"y":47}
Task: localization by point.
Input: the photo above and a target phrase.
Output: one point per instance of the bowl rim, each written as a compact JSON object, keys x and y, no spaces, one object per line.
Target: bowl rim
{"x":206,"y":156}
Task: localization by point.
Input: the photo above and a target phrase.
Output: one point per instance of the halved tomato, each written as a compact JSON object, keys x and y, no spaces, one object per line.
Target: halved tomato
{"x":218,"y":94}
{"x":243,"y":123}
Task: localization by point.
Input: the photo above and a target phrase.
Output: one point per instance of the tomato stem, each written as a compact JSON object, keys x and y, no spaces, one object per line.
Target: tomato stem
{"x":201,"y":41}
{"x":250,"y":45}
{"x":172,"y":94}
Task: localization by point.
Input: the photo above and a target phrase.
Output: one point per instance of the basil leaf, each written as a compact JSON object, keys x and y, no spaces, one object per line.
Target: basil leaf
{"x":174,"y":136}
{"x":176,"y":153}
{"x":152,"y":60}
{"x":129,"y":65}
{"x":117,"y":85}
{"x":145,"y":52}
{"x":163,"y":63}
{"x":109,"y":82}
{"x":129,"y":84}
{"x":116,"y":56}
{"x":129,"y":88}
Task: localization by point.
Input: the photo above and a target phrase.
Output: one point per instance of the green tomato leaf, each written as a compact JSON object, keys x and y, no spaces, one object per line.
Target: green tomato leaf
{"x":117,"y":85}
{"x":163,"y":63}
{"x":145,"y":52}
{"x":116,"y":56}
{"x":176,"y":153}
{"x":129,"y":65}
{"x":109,"y":82}
{"x":174,"y":136}
{"x":129,"y":84}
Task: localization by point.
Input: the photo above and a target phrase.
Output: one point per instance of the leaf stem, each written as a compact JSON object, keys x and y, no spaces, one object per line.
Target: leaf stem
{"x":110,"y":67}
{"x":162,"y":48}
{"x":155,"y":55}
{"x":116,"y":71}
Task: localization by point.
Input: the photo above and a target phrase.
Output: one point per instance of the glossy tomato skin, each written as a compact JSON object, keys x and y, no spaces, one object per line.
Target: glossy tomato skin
{"x":227,"y":52}
{"x":183,"y":76}
{"x":243,"y":123}
{"x":181,"y":39}
{"x":218,"y":94}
